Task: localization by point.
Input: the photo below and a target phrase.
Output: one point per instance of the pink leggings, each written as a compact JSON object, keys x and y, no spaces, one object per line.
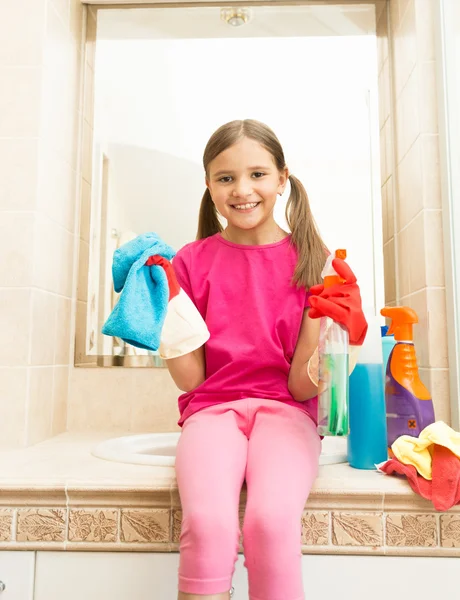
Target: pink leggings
{"x":275,"y":448}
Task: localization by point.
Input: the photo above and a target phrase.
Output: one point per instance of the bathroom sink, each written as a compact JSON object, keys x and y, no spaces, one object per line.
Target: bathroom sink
{"x":159,"y":449}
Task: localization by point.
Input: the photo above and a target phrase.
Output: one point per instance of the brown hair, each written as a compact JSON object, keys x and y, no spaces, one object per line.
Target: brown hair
{"x":304,"y":232}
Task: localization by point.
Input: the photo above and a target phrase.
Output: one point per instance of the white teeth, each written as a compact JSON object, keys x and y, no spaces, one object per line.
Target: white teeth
{"x":246,"y":206}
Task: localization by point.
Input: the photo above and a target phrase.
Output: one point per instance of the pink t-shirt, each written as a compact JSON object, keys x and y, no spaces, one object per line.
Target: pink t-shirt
{"x":253,"y":313}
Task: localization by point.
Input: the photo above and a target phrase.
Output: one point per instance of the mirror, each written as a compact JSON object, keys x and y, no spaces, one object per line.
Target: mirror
{"x":166,"y":78}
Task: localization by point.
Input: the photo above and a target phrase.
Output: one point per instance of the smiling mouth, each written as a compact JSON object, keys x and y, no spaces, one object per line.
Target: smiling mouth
{"x":245,"y":207}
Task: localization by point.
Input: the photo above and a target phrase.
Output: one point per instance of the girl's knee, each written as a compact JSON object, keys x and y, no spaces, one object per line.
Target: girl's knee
{"x":271,"y":528}
{"x":206,"y":529}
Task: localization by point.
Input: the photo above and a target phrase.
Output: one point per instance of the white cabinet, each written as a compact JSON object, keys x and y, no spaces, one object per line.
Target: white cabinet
{"x":148,"y":576}
{"x":17,"y":574}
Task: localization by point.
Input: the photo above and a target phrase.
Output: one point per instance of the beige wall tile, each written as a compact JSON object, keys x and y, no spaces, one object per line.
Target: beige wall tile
{"x":57,"y":188}
{"x":60,"y":395}
{"x":404,"y":48}
{"x":40,"y":409}
{"x":411,"y":256}
{"x":431,"y":176}
{"x":427,"y":98}
{"x":46,"y":257}
{"x":450,"y":531}
{"x":389,"y":267}
{"x":437,"y":382}
{"x":65,"y":263}
{"x":15,"y":326}
{"x":411,"y":530}
{"x":108,"y":395}
{"x":16,"y":242}
{"x":6,"y":524}
{"x":437,"y":328}
{"x":21,"y":33}
{"x":407,"y":117}
{"x":357,"y":529}
{"x":384,"y":213}
{"x":93,"y":525}
{"x":43,"y":334}
{"x":41,"y":525}
{"x":63,"y":322}
{"x":154,"y":405}
{"x":18,"y":156}
{"x":315,"y":528}
{"x":145,"y":525}
{"x":425,"y":24}
{"x":13,"y":398}
{"x":63,"y":9}
{"x":410,"y":191}
{"x":419,"y":303}
{"x":434,"y":251}
{"x":19,"y":101}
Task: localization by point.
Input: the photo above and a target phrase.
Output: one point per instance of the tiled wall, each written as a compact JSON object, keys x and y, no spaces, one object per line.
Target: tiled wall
{"x":45,"y":171}
{"x":411,"y":194}
{"x":40,"y":59}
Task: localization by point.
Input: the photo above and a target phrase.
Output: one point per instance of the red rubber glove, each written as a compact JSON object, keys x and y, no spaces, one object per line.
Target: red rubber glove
{"x":341,"y":302}
{"x":173,"y":284}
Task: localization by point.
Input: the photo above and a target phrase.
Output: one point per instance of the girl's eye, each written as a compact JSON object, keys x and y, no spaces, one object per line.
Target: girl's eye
{"x":258,"y":174}
{"x":225,"y":179}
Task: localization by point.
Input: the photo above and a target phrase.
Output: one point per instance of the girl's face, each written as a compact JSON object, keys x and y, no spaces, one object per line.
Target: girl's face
{"x":244,"y":182}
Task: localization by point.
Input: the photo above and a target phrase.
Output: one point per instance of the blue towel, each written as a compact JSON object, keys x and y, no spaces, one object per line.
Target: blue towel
{"x":140,"y":312}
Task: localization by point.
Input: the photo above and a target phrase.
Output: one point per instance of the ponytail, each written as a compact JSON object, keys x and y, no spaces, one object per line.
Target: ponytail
{"x":305,"y":236}
{"x":208,"y":221}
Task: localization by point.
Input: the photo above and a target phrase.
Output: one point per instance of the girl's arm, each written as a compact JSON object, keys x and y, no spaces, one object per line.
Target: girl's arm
{"x":299,"y":383}
{"x":188,"y":371}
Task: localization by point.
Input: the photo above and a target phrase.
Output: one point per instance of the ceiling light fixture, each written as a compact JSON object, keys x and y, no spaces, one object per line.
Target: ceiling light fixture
{"x":235,"y":16}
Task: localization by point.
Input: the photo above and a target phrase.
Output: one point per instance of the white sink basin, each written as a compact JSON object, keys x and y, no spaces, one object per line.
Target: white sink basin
{"x":159,"y":449}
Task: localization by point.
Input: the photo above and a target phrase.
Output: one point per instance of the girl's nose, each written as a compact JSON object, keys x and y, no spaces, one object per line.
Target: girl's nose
{"x":242,"y":189}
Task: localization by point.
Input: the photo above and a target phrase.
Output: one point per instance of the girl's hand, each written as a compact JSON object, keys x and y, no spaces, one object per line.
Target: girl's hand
{"x":341,"y":302}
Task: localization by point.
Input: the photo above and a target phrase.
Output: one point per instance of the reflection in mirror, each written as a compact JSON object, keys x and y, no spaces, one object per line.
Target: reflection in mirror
{"x":166,"y":78}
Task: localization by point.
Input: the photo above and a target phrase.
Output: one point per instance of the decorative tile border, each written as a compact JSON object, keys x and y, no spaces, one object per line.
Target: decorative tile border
{"x":95,"y":527}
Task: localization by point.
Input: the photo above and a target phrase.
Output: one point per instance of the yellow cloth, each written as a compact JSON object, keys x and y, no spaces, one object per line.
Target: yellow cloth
{"x":418,"y":451}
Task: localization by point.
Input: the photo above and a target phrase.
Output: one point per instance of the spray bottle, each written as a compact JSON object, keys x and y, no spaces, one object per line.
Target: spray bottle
{"x":333,"y":350}
{"x":367,"y":440}
{"x":409,"y":407}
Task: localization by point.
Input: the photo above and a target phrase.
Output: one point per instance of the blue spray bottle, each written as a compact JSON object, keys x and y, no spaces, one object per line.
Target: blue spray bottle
{"x":367,"y":440}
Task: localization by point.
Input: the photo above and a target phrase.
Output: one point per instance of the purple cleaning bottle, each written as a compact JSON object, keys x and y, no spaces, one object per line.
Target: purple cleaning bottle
{"x":409,"y":407}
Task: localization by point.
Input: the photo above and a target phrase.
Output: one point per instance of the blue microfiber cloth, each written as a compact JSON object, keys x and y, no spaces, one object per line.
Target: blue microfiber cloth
{"x":140,"y":312}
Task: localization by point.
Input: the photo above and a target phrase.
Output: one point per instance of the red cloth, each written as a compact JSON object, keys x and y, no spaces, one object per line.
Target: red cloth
{"x":444,"y":489}
{"x":341,"y":302}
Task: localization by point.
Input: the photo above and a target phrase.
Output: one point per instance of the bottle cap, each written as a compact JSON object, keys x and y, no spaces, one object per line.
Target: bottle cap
{"x":402,"y":319}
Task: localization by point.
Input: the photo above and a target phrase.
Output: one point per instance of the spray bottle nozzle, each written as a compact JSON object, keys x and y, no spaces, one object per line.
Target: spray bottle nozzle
{"x":329,"y":275}
{"x":402,"y":319}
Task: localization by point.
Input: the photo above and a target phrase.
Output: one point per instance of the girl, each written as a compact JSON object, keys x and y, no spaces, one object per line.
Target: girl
{"x":249,"y":408}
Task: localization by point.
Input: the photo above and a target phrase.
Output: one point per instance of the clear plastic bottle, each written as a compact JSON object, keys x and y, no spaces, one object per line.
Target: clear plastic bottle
{"x":333,"y":350}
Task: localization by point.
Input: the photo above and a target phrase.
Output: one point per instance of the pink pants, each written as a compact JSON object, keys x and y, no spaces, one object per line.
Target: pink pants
{"x":274,"y":447}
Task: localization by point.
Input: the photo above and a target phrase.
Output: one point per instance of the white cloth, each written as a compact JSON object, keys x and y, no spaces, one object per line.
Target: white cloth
{"x":184,"y":329}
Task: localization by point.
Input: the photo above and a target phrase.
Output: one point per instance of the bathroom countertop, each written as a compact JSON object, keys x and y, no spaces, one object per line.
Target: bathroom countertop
{"x":66,"y":461}
{"x":82,"y":502}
